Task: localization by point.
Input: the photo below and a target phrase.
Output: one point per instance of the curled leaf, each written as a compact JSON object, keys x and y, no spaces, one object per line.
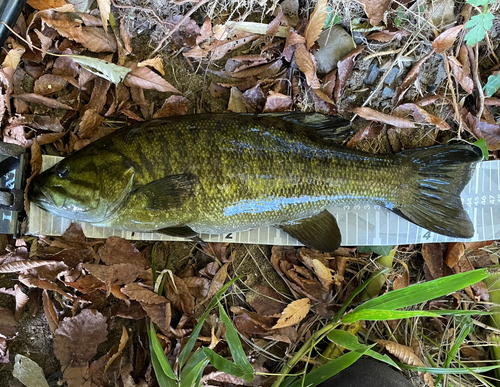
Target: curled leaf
{"x":373,"y":115}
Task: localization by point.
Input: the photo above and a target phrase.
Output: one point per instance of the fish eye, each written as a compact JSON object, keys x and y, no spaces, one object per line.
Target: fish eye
{"x":62,"y":172}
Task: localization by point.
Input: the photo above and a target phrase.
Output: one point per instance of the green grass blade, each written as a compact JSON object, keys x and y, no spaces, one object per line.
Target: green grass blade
{"x":234,"y":342}
{"x":197,"y":358}
{"x":425,"y":291}
{"x":225,"y":365}
{"x":194,"y":335}
{"x":382,"y":315}
{"x":194,"y":374}
{"x":157,"y":350}
{"x":326,"y":371}
{"x":448,"y":371}
{"x":350,"y":342}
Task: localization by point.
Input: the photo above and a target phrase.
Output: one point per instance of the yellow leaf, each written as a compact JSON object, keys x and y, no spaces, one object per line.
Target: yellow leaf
{"x":156,"y":63}
{"x":316,"y":23}
{"x":105,"y":9}
{"x":14,"y":56}
{"x":294,"y":313}
{"x":323,"y":273}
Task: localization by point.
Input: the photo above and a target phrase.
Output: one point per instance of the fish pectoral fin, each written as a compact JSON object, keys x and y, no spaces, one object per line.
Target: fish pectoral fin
{"x":321,"y":232}
{"x":181,"y":232}
{"x":168,"y":192}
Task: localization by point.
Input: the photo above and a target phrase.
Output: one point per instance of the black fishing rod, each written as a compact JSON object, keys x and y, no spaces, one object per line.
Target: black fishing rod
{"x":9,"y":12}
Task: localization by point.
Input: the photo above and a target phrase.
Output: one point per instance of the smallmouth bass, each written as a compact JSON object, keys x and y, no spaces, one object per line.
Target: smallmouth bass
{"x":221,"y":173}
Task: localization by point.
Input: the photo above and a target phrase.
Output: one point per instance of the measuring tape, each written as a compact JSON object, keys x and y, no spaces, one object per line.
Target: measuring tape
{"x":360,"y":224}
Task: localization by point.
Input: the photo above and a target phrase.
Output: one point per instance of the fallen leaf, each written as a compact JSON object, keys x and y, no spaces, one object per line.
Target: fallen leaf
{"x":344,"y":69}
{"x":422,"y":116}
{"x":197,"y":286}
{"x":316,"y":23}
{"x":386,"y":36}
{"x":121,"y":347}
{"x":101,"y":68}
{"x":50,"y":311}
{"x":14,"y":55}
{"x":29,"y":372}
{"x":373,"y":115}
{"x":279,"y":20}
{"x":460,"y":75}
{"x":433,"y":257}
{"x":177,"y":292}
{"x":236,"y":104}
{"x":104,"y":10}
{"x":175,"y":105}
{"x":406,"y":355}
{"x":89,"y":123}
{"x":277,"y":102}
{"x":77,"y":338}
{"x":375,"y":9}
{"x":118,"y":250}
{"x":21,"y":301}
{"x":35,"y":98}
{"x":145,"y":78}
{"x":446,"y":39}
{"x":265,"y":300}
{"x":254,"y":99}
{"x":8,"y":324}
{"x":307,"y":64}
{"x":46,"y":4}
{"x":411,"y":77}
{"x":155,"y":62}
{"x":490,"y":132}
{"x":294,"y":313}
{"x":370,"y":131}
{"x":118,"y":274}
{"x":156,"y":306}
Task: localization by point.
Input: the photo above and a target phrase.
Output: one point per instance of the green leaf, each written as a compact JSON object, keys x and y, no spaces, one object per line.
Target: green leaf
{"x":194,"y":335}
{"x":481,"y":144}
{"x":383,"y":315}
{"x":158,"y":351}
{"x":197,"y":358}
{"x":101,"y":68}
{"x":380,"y":250}
{"x":492,"y":85}
{"x":477,"y":2}
{"x":479,"y":24}
{"x":224,"y":365}
{"x":350,"y":342}
{"x":423,"y":292}
{"x":195,"y":373}
{"x":28,"y":372}
{"x":234,"y":342}
{"x":447,"y":371}
{"x":326,"y":371}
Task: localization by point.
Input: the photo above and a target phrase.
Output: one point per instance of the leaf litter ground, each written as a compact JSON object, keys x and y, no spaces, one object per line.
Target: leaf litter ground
{"x":83,"y":321}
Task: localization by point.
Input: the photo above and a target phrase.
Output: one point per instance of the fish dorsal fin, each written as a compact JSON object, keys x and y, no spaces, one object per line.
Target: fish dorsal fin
{"x":181,"y":232}
{"x":171,"y":191}
{"x":321,"y":232}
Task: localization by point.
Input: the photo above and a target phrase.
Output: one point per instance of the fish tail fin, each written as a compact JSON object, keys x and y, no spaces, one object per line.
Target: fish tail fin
{"x":432,"y":194}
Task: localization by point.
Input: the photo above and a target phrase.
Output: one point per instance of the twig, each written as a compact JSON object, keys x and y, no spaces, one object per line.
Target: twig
{"x":143,"y":10}
{"x":491,"y":48}
{"x":475,"y":74}
{"x":178,"y":25}
{"x":458,"y":117}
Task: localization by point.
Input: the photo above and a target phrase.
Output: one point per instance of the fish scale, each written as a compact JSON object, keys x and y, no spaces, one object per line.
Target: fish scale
{"x":218,"y":173}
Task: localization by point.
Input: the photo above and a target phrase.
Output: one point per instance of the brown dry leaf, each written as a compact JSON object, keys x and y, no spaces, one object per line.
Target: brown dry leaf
{"x":217,"y":282}
{"x":145,"y":78}
{"x":157,"y":307}
{"x":77,"y":338}
{"x":307,"y":64}
{"x":104,"y":10}
{"x":455,"y":255}
{"x":175,"y":105}
{"x":21,"y":301}
{"x":386,"y":36}
{"x":294,"y":313}
{"x":344,"y":69}
{"x":460,"y":75}
{"x":422,"y":116}
{"x":265,"y":300}
{"x":155,"y":62}
{"x":78,"y":376}
{"x":490,"y":132}
{"x":35,"y":98}
{"x":254,"y":99}
{"x":197,"y":286}
{"x":373,"y":115}
{"x":372,"y":130}
{"x":21,"y":266}
{"x":118,"y":274}
{"x":433,"y":257}
{"x":46,"y":4}
{"x":89,"y":123}
{"x":446,"y":39}
{"x":316,"y":23}
{"x":411,"y":77}
{"x":13,"y":56}
{"x":277,"y":102}
{"x":177,"y":292}
{"x":93,"y":38}
{"x":121,"y":347}
{"x":375,"y":9}
{"x":119,"y":250}
{"x":50,"y":311}
{"x":86,"y":284}
{"x":4,"y":351}
{"x":236,"y":104}
{"x":406,"y":355}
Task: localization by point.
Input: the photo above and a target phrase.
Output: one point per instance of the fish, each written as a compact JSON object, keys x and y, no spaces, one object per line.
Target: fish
{"x":226,"y":172}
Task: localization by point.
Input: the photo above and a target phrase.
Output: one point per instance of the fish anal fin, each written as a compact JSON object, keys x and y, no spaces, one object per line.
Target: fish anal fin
{"x":320,"y":232}
{"x":180,"y":232}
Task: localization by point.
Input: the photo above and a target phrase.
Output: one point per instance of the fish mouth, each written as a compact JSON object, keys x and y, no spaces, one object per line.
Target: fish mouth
{"x":39,"y":195}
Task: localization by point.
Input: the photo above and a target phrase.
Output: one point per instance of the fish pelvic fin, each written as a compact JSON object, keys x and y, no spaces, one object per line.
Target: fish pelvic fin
{"x":433,"y":193}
